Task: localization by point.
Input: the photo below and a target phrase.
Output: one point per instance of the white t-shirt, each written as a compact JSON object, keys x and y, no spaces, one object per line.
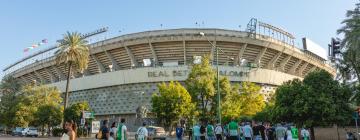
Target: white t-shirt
{"x":123,"y":131}
{"x":141,"y":133}
{"x":114,"y":130}
{"x":65,"y":137}
{"x":218,"y":130}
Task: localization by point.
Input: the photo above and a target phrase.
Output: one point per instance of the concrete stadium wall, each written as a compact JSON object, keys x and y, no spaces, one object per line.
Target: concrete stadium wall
{"x":159,"y":74}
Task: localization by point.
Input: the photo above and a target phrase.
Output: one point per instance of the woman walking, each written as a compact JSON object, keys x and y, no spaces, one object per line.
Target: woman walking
{"x":71,"y":128}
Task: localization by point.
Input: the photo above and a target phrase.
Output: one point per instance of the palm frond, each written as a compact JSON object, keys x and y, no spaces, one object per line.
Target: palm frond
{"x":73,"y":49}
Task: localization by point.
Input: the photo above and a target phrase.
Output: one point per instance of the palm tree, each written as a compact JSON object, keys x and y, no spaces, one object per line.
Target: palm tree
{"x":10,"y":85}
{"x":74,"y":52}
{"x":349,"y":63}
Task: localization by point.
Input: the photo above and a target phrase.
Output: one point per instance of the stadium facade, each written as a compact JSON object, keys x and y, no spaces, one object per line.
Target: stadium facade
{"x":124,"y":71}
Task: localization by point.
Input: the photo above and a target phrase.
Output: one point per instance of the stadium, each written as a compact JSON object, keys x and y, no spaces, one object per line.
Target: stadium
{"x":123,"y":71}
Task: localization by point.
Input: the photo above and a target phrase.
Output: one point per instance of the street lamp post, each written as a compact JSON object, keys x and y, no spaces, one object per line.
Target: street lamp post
{"x":217,"y":75}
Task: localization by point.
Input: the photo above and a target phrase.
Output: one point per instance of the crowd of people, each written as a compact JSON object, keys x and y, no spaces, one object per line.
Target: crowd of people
{"x":120,"y":132}
{"x":246,"y":131}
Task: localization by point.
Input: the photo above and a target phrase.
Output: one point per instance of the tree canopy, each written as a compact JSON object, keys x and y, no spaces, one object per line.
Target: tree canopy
{"x":172,"y":103}
{"x":74,"y":112}
{"x":349,"y":62}
{"x":200,"y":84}
{"x":243,"y":100}
{"x":318,"y":100}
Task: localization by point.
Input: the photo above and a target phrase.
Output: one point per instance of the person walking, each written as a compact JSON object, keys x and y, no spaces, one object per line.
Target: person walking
{"x":294,"y":133}
{"x":196,"y":132}
{"x":259,"y":131}
{"x":179,"y":132}
{"x":270,"y":132}
{"x":210,"y":132}
{"x":241,"y":131}
{"x":288,"y":133}
{"x":71,"y":128}
{"x":142,"y":133}
{"x":226,"y":131}
{"x":305,"y":134}
{"x":218,"y":131}
{"x":122,"y":130}
{"x":248,"y":133}
{"x":113,"y":130}
{"x":280,"y":132}
{"x":203,"y":131}
{"x":105,"y":130}
{"x":233,"y":130}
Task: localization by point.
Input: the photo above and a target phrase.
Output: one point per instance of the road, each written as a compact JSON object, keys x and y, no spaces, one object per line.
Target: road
{"x":29,"y":138}
{"x":55,"y":138}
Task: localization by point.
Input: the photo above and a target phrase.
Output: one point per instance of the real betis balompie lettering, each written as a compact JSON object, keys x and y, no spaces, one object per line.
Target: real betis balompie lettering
{"x":180,"y":73}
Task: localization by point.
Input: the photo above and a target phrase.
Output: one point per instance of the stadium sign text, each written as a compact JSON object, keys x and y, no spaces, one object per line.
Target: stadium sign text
{"x":184,"y":73}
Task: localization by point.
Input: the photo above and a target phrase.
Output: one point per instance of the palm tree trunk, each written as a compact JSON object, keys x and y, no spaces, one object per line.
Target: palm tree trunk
{"x":67,"y":86}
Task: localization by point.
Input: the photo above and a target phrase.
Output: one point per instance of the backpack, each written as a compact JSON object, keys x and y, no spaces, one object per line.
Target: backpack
{"x":210,"y":130}
{"x":202,"y":129}
{"x":99,"y":135}
{"x":140,"y":133}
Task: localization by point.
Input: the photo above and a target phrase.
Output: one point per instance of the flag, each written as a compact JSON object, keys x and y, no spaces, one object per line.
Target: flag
{"x":44,"y":41}
{"x":35,"y":46}
{"x":26,"y":49}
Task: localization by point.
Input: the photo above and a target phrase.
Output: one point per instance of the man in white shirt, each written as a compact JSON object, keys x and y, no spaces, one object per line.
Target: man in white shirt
{"x":142,"y":133}
{"x":218,"y":132}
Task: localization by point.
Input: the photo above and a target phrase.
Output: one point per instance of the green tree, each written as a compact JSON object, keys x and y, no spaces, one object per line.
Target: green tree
{"x":349,"y":63}
{"x":316,"y":101}
{"x":74,"y":112}
{"x":30,"y":99}
{"x":265,"y":115}
{"x":200,"y":84}
{"x":74,"y":52}
{"x":244,"y":100}
{"x":48,"y":115}
{"x":172,"y":103}
{"x":225,"y":90}
{"x":10,"y":85}
{"x":9,"y":88}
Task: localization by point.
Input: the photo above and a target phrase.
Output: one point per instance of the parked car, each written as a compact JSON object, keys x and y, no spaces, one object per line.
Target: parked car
{"x":17,"y":131}
{"x":156,"y":133}
{"x":23,"y":132}
{"x":32,"y":132}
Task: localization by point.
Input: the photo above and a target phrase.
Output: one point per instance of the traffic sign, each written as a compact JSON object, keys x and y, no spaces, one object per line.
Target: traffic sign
{"x":82,"y":121}
{"x":88,"y":115}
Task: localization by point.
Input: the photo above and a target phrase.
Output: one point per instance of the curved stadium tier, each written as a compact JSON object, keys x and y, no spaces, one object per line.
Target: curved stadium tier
{"x":123,"y":72}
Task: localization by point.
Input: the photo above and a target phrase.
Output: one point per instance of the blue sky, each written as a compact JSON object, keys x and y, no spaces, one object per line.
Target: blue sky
{"x":24,"y":22}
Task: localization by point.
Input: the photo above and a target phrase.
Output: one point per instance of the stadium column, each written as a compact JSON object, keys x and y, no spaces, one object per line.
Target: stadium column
{"x":283,"y":62}
{"x":271,"y":63}
{"x":302,"y":68}
{"x":241,"y":53}
{"x":52,"y":76}
{"x":295,"y":66}
{"x":260,"y":55}
{"x":153,"y":52}
{"x":39,"y":76}
{"x":23,"y":80}
{"x":132,"y":57}
{"x":312,"y":69}
{"x":114,"y":64}
{"x":101,"y":67}
{"x":184,"y":46}
{"x":59,"y":73}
